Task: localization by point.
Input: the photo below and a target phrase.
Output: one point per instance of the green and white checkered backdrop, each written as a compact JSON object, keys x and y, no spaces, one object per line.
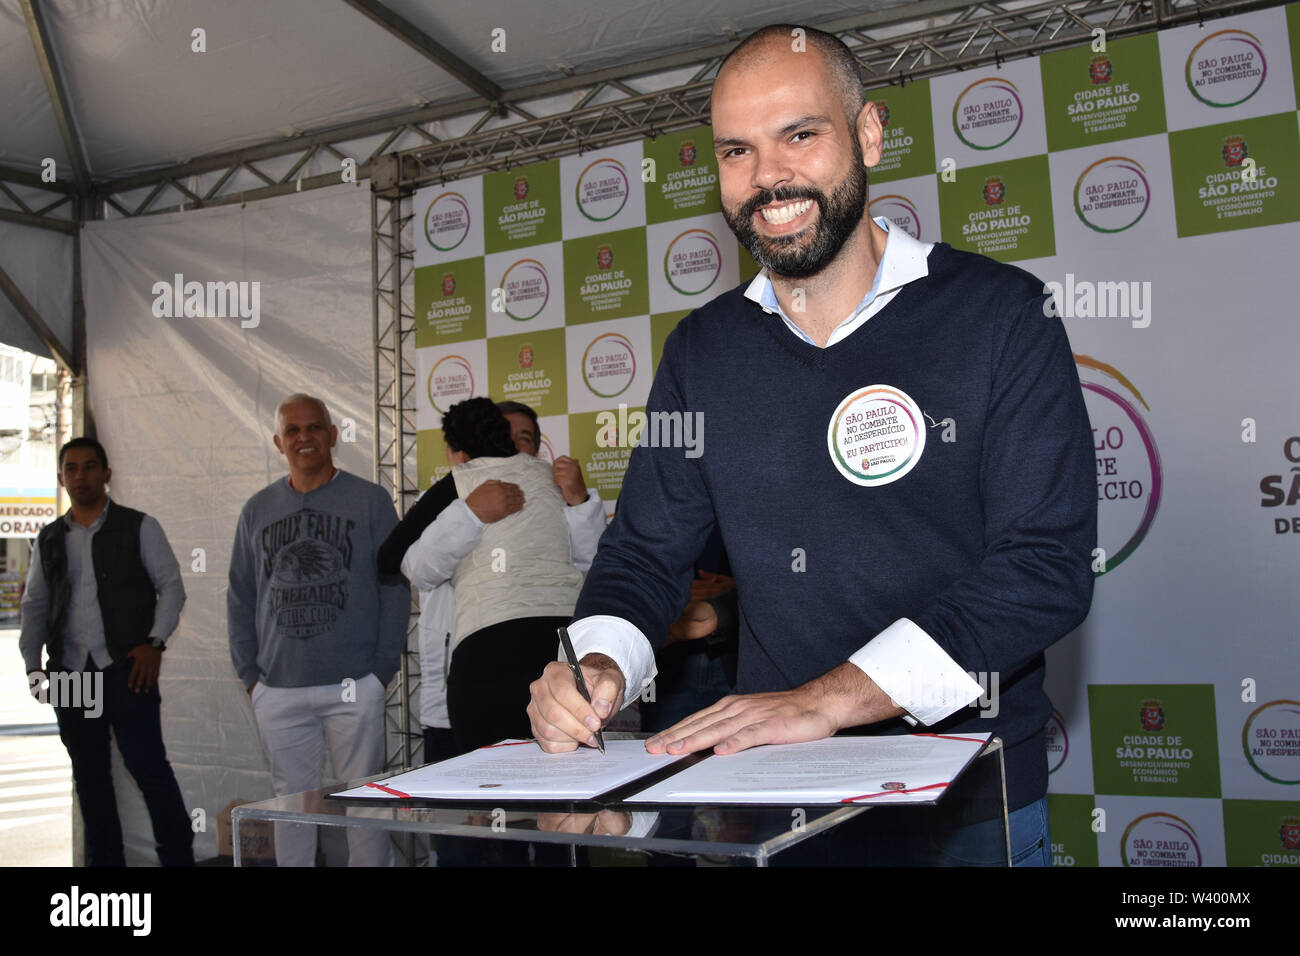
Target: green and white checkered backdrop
{"x":1154,"y":183}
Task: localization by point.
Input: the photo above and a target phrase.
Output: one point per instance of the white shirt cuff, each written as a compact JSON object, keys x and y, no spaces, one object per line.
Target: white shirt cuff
{"x":622,"y":642}
{"x":468,"y":510}
{"x":593,"y":503}
{"x":916,"y":673}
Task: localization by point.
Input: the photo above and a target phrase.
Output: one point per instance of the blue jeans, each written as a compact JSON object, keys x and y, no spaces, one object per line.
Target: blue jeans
{"x":916,"y":836}
{"x":977,"y":845}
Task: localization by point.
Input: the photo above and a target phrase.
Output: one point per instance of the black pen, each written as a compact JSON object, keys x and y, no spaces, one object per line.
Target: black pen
{"x":577,"y":676}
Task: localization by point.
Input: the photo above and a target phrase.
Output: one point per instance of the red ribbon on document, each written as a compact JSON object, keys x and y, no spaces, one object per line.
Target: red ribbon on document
{"x":886,"y":793}
{"x":396,"y":793}
{"x":973,"y":740}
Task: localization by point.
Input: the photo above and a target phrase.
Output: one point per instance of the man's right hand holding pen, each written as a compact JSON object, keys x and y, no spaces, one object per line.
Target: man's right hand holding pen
{"x":561,"y":719}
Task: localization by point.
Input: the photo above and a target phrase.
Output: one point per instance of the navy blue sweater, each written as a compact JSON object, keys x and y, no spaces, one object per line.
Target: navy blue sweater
{"x":986,"y":544}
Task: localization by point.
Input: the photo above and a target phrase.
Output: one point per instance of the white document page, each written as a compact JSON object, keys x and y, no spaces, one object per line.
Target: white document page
{"x":520,"y":770}
{"x":867,"y":770}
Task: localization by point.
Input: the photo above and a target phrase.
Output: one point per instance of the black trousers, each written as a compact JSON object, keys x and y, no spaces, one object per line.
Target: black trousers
{"x":439,"y":744}
{"x":136,"y":723}
{"x":487,"y":686}
{"x":487,"y":701}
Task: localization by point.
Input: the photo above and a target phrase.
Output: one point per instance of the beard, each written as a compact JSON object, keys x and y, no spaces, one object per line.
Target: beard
{"x":799,"y":255}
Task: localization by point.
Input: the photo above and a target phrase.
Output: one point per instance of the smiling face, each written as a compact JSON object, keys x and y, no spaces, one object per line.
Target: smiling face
{"x":793,"y":179}
{"x":305,"y":437}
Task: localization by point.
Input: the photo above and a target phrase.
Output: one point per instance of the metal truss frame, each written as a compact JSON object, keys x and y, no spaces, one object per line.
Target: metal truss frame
{"x":393,"y":322}
{"x":966,"y":39}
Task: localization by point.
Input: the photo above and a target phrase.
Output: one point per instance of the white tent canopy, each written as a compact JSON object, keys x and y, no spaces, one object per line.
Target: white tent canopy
{"x":141,"y":99}
{"x":134,"y":96}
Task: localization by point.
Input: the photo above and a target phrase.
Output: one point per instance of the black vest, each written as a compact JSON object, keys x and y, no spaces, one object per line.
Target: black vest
{"x":127,"y":597}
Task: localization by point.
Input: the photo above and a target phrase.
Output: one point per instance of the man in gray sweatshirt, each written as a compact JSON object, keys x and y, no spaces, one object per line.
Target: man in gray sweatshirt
{"x":315,"y":631}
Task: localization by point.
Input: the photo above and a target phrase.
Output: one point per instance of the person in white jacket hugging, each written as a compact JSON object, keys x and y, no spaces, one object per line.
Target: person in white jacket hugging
{"x":428,"y":549}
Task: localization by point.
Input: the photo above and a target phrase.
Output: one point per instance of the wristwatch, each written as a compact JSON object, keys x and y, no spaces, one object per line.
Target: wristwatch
{"x":160,"y":643}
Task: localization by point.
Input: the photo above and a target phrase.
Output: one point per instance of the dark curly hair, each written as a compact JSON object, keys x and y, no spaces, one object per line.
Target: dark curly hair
{"x":478,"y":428}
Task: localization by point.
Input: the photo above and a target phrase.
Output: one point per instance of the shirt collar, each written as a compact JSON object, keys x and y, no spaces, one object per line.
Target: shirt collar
{"x":94,"y":525}
{"x":288,"y":480}
{"x":905,"y":260}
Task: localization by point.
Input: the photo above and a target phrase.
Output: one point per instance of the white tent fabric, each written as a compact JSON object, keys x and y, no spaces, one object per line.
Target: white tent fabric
{"x":142,"y":98}
{"x":185,"y":408}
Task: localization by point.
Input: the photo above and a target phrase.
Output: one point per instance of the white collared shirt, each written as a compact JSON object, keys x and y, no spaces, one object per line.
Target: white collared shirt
{"x":903,"y":660}
{"x":905,"y":260}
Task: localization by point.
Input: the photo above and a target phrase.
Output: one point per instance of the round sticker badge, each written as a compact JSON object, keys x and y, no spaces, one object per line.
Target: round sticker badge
{"x":876,"y":435}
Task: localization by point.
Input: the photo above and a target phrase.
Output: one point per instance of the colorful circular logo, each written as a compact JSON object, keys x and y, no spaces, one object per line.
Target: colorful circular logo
{"x":1129,"y":474}
{"x":1112,"y":194}
{"x":899,"y":210}
{"x":1226,"y":68}
{"x":988,"y":113}
{"x":1271,"y":739}
{"x":609,"y":365}
{"x":1058,"y":744}
{"x":693,"y":261}
{"x":1160,"y":839}
{"x":447,"y":221}
{"x":602,"y":190}
{"x":526,"y":289}
{"x":450,"y":381}
{"x":876,"y":435}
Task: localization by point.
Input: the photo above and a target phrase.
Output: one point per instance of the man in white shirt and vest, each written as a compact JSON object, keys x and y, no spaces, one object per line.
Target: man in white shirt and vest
{"x":103,"y":594}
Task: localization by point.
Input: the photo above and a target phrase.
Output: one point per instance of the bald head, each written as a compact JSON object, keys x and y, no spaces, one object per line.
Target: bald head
{"x":773,"y":46}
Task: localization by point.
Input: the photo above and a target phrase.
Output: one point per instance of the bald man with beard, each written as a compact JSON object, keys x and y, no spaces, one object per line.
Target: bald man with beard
{"x":878,"y":566}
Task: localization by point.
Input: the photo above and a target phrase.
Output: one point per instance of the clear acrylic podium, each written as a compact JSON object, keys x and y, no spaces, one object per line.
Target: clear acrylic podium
{"x":717,"y":834}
